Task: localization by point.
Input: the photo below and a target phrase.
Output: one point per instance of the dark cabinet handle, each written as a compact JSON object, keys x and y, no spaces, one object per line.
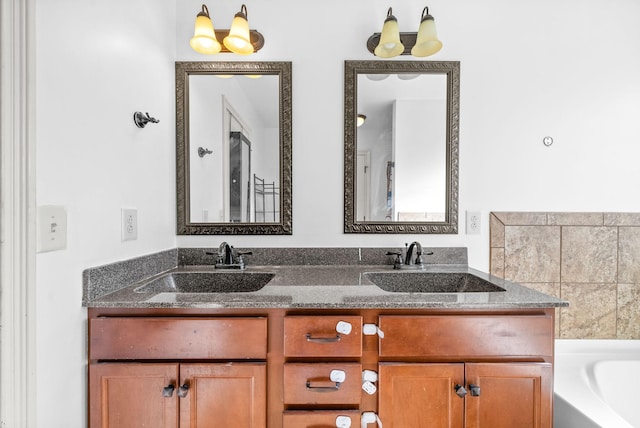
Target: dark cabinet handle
{"x":323,"y":339}
{"x":460,"y":391}
{"x":167,"y":391}
{"x":475,"y":390}
{"x":323,"y":388}
{"x":183,"y":390}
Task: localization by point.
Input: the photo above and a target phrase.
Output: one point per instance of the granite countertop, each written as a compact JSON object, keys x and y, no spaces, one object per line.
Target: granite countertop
{"x":324,"y":286}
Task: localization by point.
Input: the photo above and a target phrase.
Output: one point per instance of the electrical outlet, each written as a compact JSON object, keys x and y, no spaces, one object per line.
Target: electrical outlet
{"x":129,"y":224}
{"x":473,"y":222}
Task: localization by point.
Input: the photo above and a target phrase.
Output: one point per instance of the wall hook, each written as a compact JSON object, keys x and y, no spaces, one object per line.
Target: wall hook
{"x":202,"y":152}
{"x":141,"y":120}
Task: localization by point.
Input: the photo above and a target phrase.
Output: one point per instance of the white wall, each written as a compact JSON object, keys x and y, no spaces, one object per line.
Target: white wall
{"x":97,"y":63}
{"x":565,"y":68}
{"x":528,"y":69}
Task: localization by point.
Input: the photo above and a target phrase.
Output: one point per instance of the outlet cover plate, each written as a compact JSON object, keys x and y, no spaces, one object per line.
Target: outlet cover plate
{"x":51,"y":228}
{"x":473,"y":222}
{"x":129,"y":224}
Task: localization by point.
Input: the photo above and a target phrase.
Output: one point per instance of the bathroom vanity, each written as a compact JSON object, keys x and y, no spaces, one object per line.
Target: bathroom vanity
{"x":321,"y":346}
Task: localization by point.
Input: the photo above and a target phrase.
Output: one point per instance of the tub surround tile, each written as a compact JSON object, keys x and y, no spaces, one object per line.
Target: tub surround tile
{"x":532,"y":253}
{"x":497,"y":262}
{"x":575,"y":219}
{"x":628,"y":311}
{"x":622,"y":219}
{"x":589,"y":254}
{"x":599,"y":265}
{"x":496,"y":228}
{"x":592,"y":311}
{"x":629,"y":255}
{"x":521,"y":218}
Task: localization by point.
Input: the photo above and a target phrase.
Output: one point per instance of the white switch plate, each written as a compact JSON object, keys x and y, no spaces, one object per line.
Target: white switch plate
{"x":473,"y":222}
{"x":52,"y":228}
{"x":129,"y":224}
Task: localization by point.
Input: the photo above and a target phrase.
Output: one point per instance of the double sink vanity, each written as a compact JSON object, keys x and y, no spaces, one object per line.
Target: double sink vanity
{"x":316,"y":337}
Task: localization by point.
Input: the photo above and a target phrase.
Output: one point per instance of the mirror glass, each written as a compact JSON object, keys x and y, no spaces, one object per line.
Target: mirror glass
{"x":233,"y":125}
{"x":401,"y":146}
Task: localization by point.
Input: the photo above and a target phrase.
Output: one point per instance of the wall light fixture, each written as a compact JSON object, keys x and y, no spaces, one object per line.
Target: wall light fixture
{"x":391,"y":42}
{"x":360,"y":119}
{"x":239,"y":39}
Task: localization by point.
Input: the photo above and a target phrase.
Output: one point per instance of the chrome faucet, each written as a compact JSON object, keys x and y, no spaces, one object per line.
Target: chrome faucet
{"x":409,"y":262}
{"x":229,"y":258}
{"x":409,"y":254}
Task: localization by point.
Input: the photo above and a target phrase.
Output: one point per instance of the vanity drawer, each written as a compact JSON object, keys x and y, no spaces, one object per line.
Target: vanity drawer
{"x":310,"y":384}
{"x":455,"y":337}
{"x":316,"y":336}
{"x":146,"y":338}
{"x":319,"y":418}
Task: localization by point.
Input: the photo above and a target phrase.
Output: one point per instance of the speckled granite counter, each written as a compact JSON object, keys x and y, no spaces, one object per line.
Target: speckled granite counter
{"x":324,"y":285}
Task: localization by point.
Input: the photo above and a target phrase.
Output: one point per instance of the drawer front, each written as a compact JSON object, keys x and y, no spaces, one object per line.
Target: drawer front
{"x":316,"y":336}
{"x":310,"y":384}
{"x":177,"y":338}
{"x":319,"y":418}
{"x":467,"y":336}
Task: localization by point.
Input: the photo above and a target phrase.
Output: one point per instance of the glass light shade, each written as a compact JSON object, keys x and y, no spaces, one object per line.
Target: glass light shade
{"x":239,"y":41}
{"x":427,"y":42}
{"x":204,"y":37}
{"x":390,"y":44}
{"x":360,"y":119}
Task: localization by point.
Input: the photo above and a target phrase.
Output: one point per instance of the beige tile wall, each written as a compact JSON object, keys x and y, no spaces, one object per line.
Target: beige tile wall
{"x":591,"y":260}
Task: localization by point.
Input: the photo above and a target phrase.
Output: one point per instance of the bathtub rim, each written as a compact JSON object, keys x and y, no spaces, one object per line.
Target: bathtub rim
{"x":574,"y":358}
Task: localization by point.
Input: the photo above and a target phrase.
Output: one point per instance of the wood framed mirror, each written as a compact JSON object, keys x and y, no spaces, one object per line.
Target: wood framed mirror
{"x":401,"y":131}
{"x":233,"y":148}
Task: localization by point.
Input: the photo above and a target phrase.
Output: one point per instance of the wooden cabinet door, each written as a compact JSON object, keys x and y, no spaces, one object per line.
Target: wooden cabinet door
{"x":224,"y":395}
{"x":130,"y":395}
{"x":511,"y":395}
{"x":420,"y":395}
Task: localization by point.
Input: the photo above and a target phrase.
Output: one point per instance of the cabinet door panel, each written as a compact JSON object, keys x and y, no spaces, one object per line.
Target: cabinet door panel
{"x":420,"y":395}
{"x":224,"y":395}
{"x":511,"y":395}
{"x":129,"y":395}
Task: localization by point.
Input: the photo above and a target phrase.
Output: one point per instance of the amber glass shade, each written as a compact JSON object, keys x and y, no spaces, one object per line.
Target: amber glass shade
{"x":390,"y":44}
{"x":427,"y":42}
{"x":204,"y":37}
{"x":239,"y":41}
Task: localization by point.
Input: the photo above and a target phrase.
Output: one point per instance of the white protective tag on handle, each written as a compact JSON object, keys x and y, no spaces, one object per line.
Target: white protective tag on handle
{"x":343,"y":422}
{"x":343,"y":327}
{"x":371,"y":330}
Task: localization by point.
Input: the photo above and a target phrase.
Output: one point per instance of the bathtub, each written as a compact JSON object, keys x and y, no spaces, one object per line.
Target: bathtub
{"x":597,"y":384}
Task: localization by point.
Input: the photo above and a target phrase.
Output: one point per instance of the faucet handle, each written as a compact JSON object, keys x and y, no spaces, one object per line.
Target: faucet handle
{"x":397,"y":262}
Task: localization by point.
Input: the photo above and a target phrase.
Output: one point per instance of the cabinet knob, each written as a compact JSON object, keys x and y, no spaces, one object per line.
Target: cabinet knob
{"x":475,"y":390}
{"x":167,"y":391}
{"x":460,"y":391}
{"x":183,"y":390}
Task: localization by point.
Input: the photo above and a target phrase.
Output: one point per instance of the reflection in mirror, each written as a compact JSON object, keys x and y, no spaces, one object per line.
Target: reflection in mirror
{"x":233,"y":147}
{"x":401,"y":164}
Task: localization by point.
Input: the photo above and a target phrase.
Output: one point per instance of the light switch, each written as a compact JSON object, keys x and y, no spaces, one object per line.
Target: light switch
{"x":52,"y":228}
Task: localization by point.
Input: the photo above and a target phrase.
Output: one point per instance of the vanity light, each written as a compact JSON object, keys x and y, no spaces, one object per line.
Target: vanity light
{"x":204,"y":37}
{"x":239,"y":39}
{"x":360,"y":120}
{"x":427,"y":42}
{"x":390,"y":42}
